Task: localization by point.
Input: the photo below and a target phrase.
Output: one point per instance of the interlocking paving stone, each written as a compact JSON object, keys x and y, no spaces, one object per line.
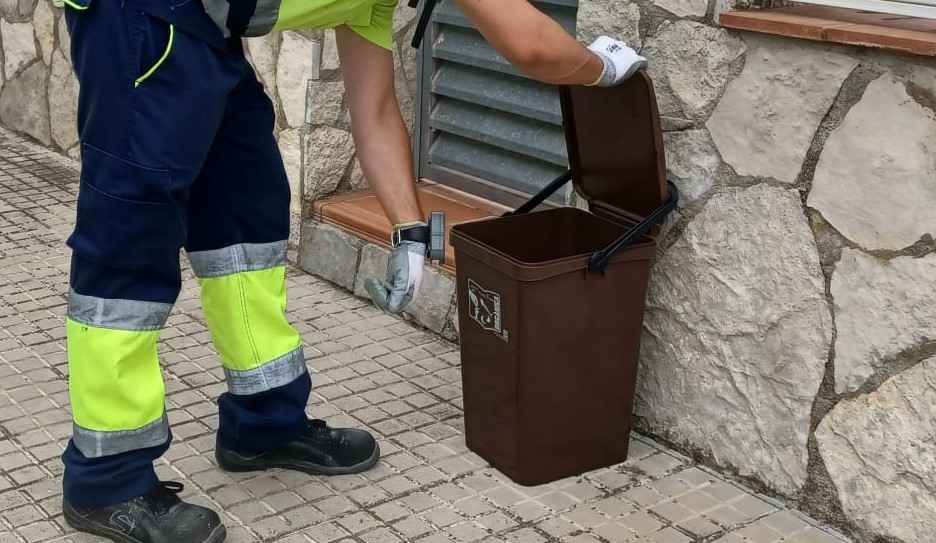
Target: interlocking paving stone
{"x":369,"y":369}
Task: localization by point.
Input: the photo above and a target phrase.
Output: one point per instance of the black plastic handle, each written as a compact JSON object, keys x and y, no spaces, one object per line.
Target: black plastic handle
{"x":423,"y":23}
{"x":542,"y":195}
{"x":599,"y":260}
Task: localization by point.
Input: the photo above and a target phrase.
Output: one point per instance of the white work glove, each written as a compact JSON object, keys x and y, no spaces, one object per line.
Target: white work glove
{"x":620,"y":61}
{"x":404,"y":278}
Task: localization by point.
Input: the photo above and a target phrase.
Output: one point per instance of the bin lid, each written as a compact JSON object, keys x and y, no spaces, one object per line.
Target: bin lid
{"x":615,"y":146}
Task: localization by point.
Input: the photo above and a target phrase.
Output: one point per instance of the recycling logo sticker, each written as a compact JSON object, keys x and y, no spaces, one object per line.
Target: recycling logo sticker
{"x":484,"y":306}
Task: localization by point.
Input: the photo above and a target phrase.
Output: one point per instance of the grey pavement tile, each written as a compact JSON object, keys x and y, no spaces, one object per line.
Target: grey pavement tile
{"x":413,"y":527}
{"x":326,"y":532}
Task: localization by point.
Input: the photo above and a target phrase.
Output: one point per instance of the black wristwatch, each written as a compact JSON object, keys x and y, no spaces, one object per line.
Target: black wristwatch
{"x":432,"y":235}
{"x":418,"y":232}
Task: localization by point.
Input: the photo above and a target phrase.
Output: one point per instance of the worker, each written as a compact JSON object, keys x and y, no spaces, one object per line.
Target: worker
{"x":178,"y":152}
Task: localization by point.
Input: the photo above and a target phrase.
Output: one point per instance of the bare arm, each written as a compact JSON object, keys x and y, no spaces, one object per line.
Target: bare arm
{"x":380,"y":136}
{"x":532,"y":41}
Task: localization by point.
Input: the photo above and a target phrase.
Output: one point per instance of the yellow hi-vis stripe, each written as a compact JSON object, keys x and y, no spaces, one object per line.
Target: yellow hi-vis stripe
{"x":115,"y":382}
{"x":246,"y":316}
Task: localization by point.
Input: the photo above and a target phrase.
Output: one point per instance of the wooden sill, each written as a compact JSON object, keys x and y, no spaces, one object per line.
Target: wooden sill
{"x":839,"y":25}
{"x":360,"y":214}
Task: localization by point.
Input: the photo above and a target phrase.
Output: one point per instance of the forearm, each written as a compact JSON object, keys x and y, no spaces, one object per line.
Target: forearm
{"x":383,"y":148}
{"x":557,"y":58}
{"x":532,"y":41}
{"x":380,"y":137}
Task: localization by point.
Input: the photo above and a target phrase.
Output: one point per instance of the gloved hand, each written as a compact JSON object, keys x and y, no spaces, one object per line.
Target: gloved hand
{"x":404,"y":278}
{"x":620,"y":61}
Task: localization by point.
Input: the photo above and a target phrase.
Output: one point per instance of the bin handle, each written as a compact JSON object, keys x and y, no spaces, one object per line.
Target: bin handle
{"x":599,"y":260}
{"x":542,"y":195}
{"x":423,"y":22}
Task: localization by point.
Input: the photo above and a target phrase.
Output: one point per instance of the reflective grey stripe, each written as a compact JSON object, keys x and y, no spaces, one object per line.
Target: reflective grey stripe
{"x":95,"y":444}
{"x":130,"y":315}
{"x":238,"y":258}
{"x":261,"y":21}
{"x":218,"y":11}
{"x":264,"y":18}
{"x":275,"y":373}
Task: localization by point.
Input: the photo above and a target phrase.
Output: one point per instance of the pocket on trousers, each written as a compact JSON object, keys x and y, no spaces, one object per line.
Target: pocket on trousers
{"x":126,"y":217}
{"x":79,"y":5}
{"x":156,"y":41}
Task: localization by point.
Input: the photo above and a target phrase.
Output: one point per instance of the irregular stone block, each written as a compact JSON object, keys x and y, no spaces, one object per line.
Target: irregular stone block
{"x":19,"y":47}
{"x":619,"y":20}
{"x":684,"y":8}
{"x":63,"y":102}
{"x":691,"y":62}
{"x":881,"y":309}
{"x":692,"y":162}
{"x":924,"y":78}
{"x":329,"y":253}
{"x":64,"y":39}
{"x":294,"y":71}
{"x":405,"y":85}
{"x":431,"y":308}
{"x":263,"y":58}
{"x":44,"y":21}
{"x":374,"y":260}
{"x":880,"y":451}
{"x":358,"y":181}
{"x":27,"y":7}
{"x":402,"y":18}
{"x":9,"y":9}
{"x":737,"y":333}
{"x":23,"y":104}
{"x":290,"y":146}
{"x":451,"y":331}
{"x":876,"y":181}
{"x":327,"y":100}
{"x":766,"y":120}
{"x":328,"y":154}
{"x":330,"y":60}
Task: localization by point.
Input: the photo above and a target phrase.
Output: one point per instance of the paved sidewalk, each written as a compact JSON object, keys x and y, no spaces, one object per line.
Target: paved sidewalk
{"x":369,"y":369}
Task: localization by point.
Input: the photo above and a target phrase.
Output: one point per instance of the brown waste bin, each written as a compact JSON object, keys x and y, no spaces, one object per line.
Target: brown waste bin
{"x":551,"y":302}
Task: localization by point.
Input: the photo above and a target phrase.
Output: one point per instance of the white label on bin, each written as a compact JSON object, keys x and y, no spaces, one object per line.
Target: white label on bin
{"x":485,"y":308}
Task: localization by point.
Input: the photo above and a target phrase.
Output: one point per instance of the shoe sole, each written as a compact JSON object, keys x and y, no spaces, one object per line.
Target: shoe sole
{"x":236,"y":463}
{"x":77,"y":522}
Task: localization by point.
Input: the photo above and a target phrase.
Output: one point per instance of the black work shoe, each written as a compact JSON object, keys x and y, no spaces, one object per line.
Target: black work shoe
{"x":158,"y":516}
{"x":319,"y":450}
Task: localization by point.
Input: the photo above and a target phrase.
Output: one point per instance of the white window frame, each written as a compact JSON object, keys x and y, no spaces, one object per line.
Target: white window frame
{"x":925,"y":9}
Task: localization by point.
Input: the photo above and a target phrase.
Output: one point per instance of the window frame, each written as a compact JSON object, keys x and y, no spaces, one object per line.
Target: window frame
{"x":424,"y":103}
{"x":924,"y":9}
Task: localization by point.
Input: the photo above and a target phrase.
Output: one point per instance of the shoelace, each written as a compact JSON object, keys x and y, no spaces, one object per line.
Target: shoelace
{"x":321,"y":432}
{"x":318,"y":428}
{"x":164,"y":496}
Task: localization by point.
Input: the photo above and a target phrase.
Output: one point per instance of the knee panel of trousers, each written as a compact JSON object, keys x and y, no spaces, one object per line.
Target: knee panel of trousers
{"x":115,"y":381}
{"x":243,"y":292}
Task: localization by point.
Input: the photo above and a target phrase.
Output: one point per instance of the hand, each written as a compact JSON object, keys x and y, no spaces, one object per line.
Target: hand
{"x":404,"y":278}
{"x":620,"y":61}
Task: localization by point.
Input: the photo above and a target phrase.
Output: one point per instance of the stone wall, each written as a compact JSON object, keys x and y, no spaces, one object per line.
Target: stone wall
{"x":300,"y":70}
{"x":791,"y":325}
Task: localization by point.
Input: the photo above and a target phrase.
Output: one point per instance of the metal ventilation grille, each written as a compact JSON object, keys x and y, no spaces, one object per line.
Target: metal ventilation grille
{"x":483,"y":127}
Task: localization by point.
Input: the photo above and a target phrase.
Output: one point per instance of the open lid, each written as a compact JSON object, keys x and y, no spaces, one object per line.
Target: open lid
{"x":615,"y":146}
